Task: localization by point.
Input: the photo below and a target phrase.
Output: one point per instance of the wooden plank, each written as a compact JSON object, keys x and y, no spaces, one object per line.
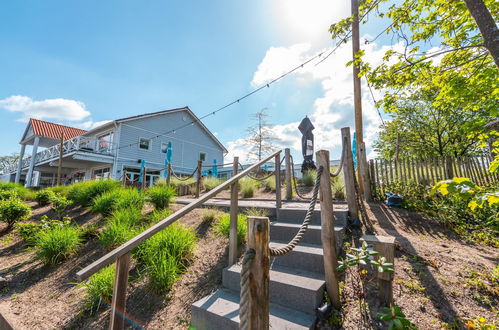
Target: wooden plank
{"x":118,"y":305}
{"x":327,"y":233}
{"x":484,"y":169}
{"x":128,"y":246}
{"x":288,"y":174}
{"x":278,"y":199}
{"x":258,"y":239}
{"x":348,"y":174}
{"x":234,"y":209}
{"x":390,"y":164}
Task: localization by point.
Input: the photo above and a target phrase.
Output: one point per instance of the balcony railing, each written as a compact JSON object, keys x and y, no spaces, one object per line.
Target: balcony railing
{"x":79,"y":143}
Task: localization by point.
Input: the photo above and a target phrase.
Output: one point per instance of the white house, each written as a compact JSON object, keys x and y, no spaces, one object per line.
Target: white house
{"x":118,"y":145}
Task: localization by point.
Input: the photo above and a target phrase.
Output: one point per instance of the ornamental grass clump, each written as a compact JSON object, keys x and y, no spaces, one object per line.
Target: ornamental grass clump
{"x":247,"y":187}
{"x":117,"y":199}
{"x":99,"y":287}
{"x":44,"y":197}
{"x":57,"y":243}
{"x":222,"y":226}
{"x":84,"y":192}
{"x":13,"y":210}
{"x":158,"y":215}
{"x":210,"y":214}
{"x":270,"y":184}
{"x":121,"y":227}
{"x":211,"y":183}
{"x":308,"y":178}
{"x":161,"y":196}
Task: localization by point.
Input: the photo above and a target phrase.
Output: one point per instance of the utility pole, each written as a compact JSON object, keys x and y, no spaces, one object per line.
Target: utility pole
{"x":59,"y":167}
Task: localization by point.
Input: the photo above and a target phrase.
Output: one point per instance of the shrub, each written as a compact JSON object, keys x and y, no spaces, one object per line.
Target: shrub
{"x":247,"y":187}
{"x":159,"y":215}
{"x":161,"y":196}
{"x":60,"y":190}
{"x":117,"y":199}
{"x":99,"y":287}
{"x":308,"y":178}
{"x":338,"y":188}
{"x":116,"y":234}
{"x":84,"y":192}
{"x":55,"y":244}
{"x":211,"y":183}
{"x":21,"y":191}
{"x":44,"y":197}
{"x":13,"y":210}
{"x":27,"y":231}
{"x":8,"y":194}
{"x":269,"y":184}
{"x":210,"y":214}
{"x":60,"y":204}
{"x":223,"y":226}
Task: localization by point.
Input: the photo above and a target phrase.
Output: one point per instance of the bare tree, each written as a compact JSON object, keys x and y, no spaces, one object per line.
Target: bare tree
{"x":262,"y":138}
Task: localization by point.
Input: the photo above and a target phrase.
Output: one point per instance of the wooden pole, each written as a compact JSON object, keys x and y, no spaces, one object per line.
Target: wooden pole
{"x":289,"y":176}
{"x":385,"y":245}
{"x":144,"y":179}
{"x":258,"y":239}
{"x":372,"y":175}
{"x":198,"y":182}
{"x":123,"y":179}
{"x":278,"y":200}
{"x":348,"y":174}
{"x":169,"y":174}
{"x":233,"y":216}
{"x":59,"y":167}
{"x":365,"y":173}
{"x":118,"y":306}
{"x":327,"y":233}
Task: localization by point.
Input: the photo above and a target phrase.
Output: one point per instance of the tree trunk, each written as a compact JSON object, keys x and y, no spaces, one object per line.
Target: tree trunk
{"x":486,"y":25}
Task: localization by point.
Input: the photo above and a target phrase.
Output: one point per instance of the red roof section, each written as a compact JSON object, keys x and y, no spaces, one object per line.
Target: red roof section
{"x":51,"y":130}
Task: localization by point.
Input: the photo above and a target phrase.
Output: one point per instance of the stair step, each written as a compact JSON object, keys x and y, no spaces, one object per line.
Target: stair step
{"x":220,"y":310}
{"x":291,"y":215}
{"x":282,"y":231}
{"x":307,"y":257}
{"x":297,"y":289}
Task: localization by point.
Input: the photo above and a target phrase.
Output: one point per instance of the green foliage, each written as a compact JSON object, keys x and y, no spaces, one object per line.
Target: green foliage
{"x":361,"y":257}
{"x":480,"y":323}
{"x":117,"y":199}
{"x":222,"y":226}
{"x":55,"y":244}
{"x":247,"y":187}
{"x":210,"y":182}
{"x":14,"y":188}
{"x":121,"y":227}
{"x":27,"y":231}
{"x":394,"y":318}
{"x":308,"y":178}
{"x":210,"y":214}
{"x":44,"y":197}
{"x":269,"y":184}
{"x":60,"y":190}
{"x":159,"y":215}
{"x":13,"y":210}
{"x":8,"y":194}
{"x":161,"y":195}
{"x":338,"y":188}
{"x":176,"y":182}
{"x":60,"y":204}
{"x":99,"y":287}
{"x":84,"y":192}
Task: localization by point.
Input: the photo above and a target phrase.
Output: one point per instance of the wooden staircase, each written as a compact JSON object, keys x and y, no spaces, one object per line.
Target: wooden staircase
{"x":296,"y":286}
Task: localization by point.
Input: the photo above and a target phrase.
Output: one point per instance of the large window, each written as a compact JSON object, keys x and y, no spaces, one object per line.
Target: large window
{"x":145,"y":144}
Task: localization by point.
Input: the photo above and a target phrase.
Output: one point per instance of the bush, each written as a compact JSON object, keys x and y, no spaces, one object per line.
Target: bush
{"x":60,"y":204}
{"x":44,"y":197}
{"x":308,"y":178}
{"x":60,"y":190}
{"x":13,"y":210}
{"x":99,"y":287}
{"x":338,"y":188}
{"x":211,"y":183}
{"x":27,"y":231}
{"x":84,"y":192}
{"x":159,"y":215}
{"x":247,"y":187}
{"x":21,"y":191}
{"x":56,"y":244}
{"x":269,"y":184}
{"x":161,"y":196}
{"x":8,"y":194}
{"x":208,"y":215}
{"x":223,"y":226}
{"x":117,"y":199}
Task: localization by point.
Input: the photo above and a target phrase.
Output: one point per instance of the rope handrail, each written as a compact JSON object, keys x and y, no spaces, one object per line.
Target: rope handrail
{"x":255,"y":178}
{"x":294,"y":179}
{"x":248,"y":258}
{"x":185,"y":178}
{"x":218,"y":165}
{"x":340,"y":166}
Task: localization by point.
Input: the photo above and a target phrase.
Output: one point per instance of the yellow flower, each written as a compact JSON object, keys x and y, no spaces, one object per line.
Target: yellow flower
{"x":363,"y":272}
{"x":470,"y":325}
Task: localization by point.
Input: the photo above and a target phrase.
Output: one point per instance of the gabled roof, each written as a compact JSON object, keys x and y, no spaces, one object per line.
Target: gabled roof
{"x":54,"y":131}
{"x":153,"y":114}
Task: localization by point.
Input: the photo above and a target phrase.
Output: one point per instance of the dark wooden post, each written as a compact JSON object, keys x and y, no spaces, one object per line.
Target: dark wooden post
{"x":385,"y":245}
{"x":118,"y":306}
{"x":327,"y":233}
{"x":59,"y":167}
{"x":348,"y":173}
{"x":278,"y":201}
{"x":364,"y":172}
{"x":198,"y":182}
{"x":233,"y":216}
{"x":258,"y":239}
{"x":289,"y":175}
{"x":169,"y":174}
{"x":144,"y":179}
{"x":123,"y":178}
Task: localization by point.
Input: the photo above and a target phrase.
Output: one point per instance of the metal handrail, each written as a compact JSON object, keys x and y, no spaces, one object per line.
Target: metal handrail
{"x":132,"y":243}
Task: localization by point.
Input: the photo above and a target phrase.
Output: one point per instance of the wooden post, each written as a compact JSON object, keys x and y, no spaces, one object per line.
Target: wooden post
{"x":348,"y":174}
{"x":118,"y":306}
{"x":59,"y":167}
{"x":385,"y":245}
{"x":364,"y":172}
{"x":144,"y":179}
{"x":278,"y":201}
{"x":169,"y":174}
{"x":258,"y":240}
{"x":123,"y":178}
{"x":372,"y":175}
{"x":289,"y":176}
{"x":233,"y":216}
{"x":327,"y":231}
{"x":198,"y":182}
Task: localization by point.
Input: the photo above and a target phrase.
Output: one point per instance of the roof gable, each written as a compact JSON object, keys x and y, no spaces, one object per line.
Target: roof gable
{"x":54,"y":131}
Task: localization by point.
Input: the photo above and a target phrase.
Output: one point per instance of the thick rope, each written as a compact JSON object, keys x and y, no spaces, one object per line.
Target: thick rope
{"x":256,"y":178}
{"x":303,"y":229}
{"x":217,"y":165}
{"x":186,"y":178}
{"x":244,"y":301}
{"x":294,"y":180}
{"x":338,"y":171}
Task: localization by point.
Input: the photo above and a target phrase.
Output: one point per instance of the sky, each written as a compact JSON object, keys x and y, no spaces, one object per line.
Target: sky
{"x":83,"y":63}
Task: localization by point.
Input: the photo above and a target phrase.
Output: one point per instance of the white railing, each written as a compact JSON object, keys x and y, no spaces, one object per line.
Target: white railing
{"x":79,"y":143}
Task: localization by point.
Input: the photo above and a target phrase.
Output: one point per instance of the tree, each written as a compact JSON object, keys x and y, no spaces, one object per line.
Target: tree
{"x":262,"y":138}
{"x":6,"y":161}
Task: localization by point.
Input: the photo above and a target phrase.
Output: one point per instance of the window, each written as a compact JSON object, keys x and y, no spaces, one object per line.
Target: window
{"x":102,"y":173}
{"x":164,"y":147}
{"x":105,"y":141}
{"x":202,"y":156}
{"x":144,"y":144}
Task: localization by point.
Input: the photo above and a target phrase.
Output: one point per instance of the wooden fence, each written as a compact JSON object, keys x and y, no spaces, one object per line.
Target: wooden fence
{"x":385,"y":174}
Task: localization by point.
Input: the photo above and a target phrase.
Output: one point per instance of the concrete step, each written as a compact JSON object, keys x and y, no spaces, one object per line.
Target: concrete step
{"x":282,"y":231}
{"x":220,"y":310}
{"x":307,"y":257}
{"x":296,"y":289}
{"x":296,"y":215}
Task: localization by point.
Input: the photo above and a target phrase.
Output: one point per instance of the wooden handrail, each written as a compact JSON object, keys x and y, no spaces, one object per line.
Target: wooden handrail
{"x":128,"y":246}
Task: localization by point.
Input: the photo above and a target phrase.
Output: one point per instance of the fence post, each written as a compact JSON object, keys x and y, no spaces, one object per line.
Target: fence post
{"x":364,"y":172}
{"x":278,"y":201}
{"x":118,"y":305}
{"x":348,"y":173}
{"x":385,"y":245}
{"x":144,"y":179}
{"x":233,"y":216}
{"x":198,"y":182}
{"x":169,"y":174}
{"x":258,"y":240}
{"x":123,"y":179}
{"x":289,"y":177}
{"x":327,"y":233}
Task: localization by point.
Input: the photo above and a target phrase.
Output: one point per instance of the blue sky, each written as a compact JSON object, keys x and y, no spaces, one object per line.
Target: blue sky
{"x":80,"y":63}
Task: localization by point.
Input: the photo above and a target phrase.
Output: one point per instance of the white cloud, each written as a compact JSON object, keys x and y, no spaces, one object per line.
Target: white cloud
{"x":88,"y":125}
{"x":59,"y":109}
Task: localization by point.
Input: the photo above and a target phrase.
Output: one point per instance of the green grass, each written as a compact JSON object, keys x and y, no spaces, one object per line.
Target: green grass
{"x":122,"y":225}
{"x":21,"y":191}
{"x":117,"y":199}
{"x":176,"y":183}
{"x":210,"y":214}
{"x":211,"y":183}
{"x":57,"y":243}
{"x":247,"y":187}
{"x":161,"y":196}
{"x":60,"y":190}
{"x":222,"y":226}
{"x":269,"y":184}
{"x":13,"y":210}
{"x":44,"y":197}
{"x":99,"y":287}
{"x":84,"y":192}
{"x":338,"y":188}
{"x":159,"y":215}
{"x":308,"y":178}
